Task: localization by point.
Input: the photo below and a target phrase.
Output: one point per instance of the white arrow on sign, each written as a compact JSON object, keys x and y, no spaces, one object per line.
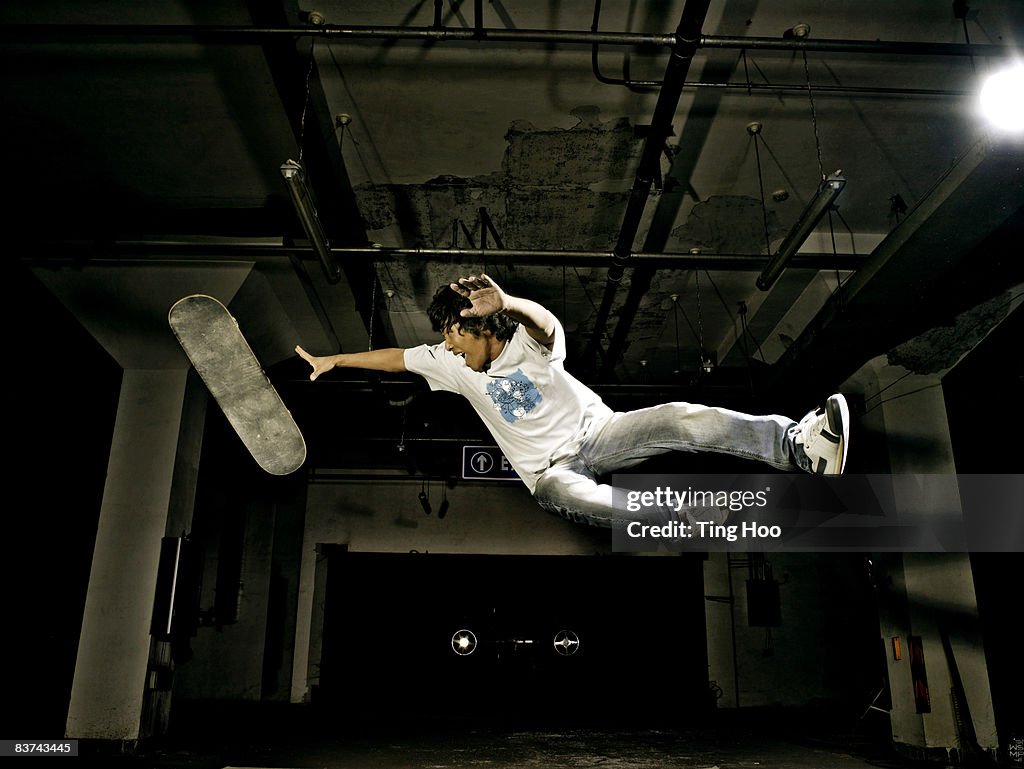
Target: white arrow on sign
{"x":482,"y":462}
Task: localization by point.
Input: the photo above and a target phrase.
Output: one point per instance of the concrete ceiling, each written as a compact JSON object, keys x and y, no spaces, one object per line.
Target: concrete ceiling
{"x":136,"y":143}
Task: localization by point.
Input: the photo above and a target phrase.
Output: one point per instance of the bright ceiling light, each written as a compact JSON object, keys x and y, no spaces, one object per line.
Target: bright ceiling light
{"x":1002,"y":98}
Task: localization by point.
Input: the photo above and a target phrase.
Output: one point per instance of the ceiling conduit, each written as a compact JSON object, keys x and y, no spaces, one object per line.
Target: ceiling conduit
{"x":687,"y":40}
{"x":247,"y":250}
{"x":103,"y":33}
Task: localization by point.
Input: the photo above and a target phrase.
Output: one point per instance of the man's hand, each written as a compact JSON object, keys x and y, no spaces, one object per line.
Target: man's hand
{"x":388,"y":359}
{"x":487,"y":298}
{"x":485,"y":295}
{"x":320,"y":364}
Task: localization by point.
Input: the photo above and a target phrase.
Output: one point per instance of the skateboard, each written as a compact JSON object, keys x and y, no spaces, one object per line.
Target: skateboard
{"x":213,"y":342}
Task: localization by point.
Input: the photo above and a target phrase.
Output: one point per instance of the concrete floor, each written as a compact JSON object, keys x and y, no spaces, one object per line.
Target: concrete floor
{"x":724,"y":741}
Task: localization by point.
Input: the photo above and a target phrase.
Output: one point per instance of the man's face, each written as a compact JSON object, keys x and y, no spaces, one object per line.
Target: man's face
{"x":475,"y":350}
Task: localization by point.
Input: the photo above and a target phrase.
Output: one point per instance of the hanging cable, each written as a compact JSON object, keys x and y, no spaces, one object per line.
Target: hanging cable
{"x":821,"y":167}
{"x":814,"y":119}
{"x":686,"y":317}
{"x":565,"y":309}
{"x":305,"y":104}
{"x":745,"y":331}
{"x":583,"y":285}
{"x":442,"y":511}
{"x":853,"y":246}
{"x":675,"y":317}
{"x":754,"y":129}
{"x":705,"y":361}
{"x":721,"y":298}
{"x":747,"y":357}
{"x":882,"y":390}
{"x":967,"y":39}
{"x":961,"y":11}
{"x":902,"y":395}
{"x":373,"y":305}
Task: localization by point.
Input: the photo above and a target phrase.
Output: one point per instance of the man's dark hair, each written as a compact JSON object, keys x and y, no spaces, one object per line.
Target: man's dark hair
{"x":445,"y":311}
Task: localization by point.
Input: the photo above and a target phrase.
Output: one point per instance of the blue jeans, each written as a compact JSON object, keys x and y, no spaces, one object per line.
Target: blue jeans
{"x":570,"y":487}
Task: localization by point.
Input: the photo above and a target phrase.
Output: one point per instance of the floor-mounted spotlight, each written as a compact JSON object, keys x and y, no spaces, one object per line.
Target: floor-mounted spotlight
{"x":566,"y":643}
{"x":808,"y":220}
{"x":464,"y":642}
{"x":295,"y":177}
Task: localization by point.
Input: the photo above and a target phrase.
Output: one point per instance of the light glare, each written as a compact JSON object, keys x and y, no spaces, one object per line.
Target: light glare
{"x":1002,"y":98}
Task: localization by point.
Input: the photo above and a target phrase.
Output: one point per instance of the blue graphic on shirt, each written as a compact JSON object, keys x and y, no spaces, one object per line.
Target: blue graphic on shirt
{"x":514,"y":396}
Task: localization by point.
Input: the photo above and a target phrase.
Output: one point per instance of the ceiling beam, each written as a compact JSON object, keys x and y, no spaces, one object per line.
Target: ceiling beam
{"x":718,"y":68}
{"x":688,"y":33}
{"x":957,"y":247}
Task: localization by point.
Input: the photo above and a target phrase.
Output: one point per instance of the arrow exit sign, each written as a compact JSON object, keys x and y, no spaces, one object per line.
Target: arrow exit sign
{"x":486,"y":463}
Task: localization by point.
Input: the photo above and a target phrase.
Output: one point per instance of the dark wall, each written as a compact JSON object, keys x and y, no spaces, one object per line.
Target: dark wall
{"x":65,"y":391}
{"x":390,"y":619}
{"x":983,"y":404}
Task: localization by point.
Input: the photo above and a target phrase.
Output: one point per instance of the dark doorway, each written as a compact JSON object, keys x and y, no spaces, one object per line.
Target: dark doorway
{"x":390,"y":619}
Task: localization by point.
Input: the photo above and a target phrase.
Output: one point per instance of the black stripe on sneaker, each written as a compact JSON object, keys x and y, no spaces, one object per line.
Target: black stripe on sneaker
{"x":835,"y":415}
{"x":829,"y":436}
{"x":822,"y":464}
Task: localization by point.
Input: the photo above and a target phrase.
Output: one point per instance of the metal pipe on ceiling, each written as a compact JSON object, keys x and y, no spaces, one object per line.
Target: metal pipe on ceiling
{"x":98,"y":253}
{"x":688,"y":34}
{"x":817,"y":88}
{"x":21,"y":33}
{"x":663,"y":261}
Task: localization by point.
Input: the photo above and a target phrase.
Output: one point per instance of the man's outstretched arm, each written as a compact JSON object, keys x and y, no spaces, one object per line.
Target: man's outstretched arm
{"x":389,"y":359}
{"x":487,"y":298}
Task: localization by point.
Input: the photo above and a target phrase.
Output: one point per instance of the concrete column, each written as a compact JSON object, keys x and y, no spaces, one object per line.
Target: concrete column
{"x":719,"y":619}
{"x":110,"y":673}
{"x":930,"y":595}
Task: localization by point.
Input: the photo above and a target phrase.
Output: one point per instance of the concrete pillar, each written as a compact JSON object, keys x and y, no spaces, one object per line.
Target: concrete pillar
{"x":929,"y":595}
{"x":719,"y":619}
{"x":110,"y":672}
{"x":150,"y":484}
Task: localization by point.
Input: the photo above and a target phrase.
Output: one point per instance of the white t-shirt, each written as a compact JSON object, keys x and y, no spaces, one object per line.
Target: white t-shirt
{"x":533,"y":407}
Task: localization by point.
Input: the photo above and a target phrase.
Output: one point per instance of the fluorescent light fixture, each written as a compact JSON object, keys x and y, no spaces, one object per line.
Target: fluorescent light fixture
{"x":808,"y":220}
{"x":1002,"y":98}
{"x":295,"y":177}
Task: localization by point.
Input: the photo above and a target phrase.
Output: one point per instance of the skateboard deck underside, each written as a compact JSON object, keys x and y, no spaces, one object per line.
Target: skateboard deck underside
{"x":221,"y":356}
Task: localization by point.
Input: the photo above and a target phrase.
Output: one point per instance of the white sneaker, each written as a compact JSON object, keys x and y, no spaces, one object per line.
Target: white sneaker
{"x":824,"y":435}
